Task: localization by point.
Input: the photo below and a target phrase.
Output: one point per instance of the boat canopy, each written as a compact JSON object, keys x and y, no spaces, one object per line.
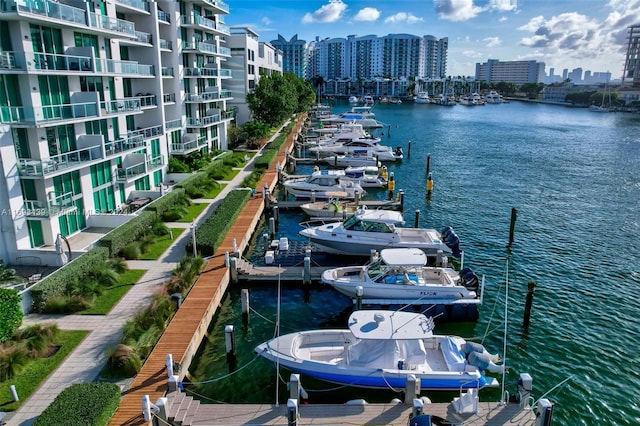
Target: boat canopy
{"x":406,"y":257}
{"x":381,"y":216}
{"x":390,"y":325}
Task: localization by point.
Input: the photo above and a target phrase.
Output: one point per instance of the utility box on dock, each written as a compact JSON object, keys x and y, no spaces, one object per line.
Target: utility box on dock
{"x":269,"y":257}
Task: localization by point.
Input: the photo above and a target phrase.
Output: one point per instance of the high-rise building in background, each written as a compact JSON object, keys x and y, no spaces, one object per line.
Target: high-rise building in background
{"x":631,"y":74}
{"x":250,"y":59}
{"x":376,"y":65}
{"x":294,"y":54}
{"x":516,"y":72}
{"x":95,"y":98}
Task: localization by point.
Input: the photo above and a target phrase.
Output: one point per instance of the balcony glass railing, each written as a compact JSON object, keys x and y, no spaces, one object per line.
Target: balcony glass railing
{"x":173,"y":124}
{"x":164,"y":17}
{"x":48,"y":9}
{"x":128,"y":143}
{"x":136,"y":4}
{"x":188,"y":146}
{"x":204,"y":22}
{"x":155,"y":162}
{"x":219,"y":4}
{"x":123,"y":67}
{"x":169,"y":98}
{"x":148,"y":101}
{"x":48,"y":113}
{"x":35,"y":208}
{"x":206,"y":72}
{"x":111,"y":24}
{"x":203,"y":121}
{"x":147,"y":133}
{"x":208,"y":96}
{"x":11,"y":61}
{"x":51,"y":61}
{"x":121,"y":105}
{"x":123,"y":175}
{"x":56,"y":163}
{"x":167,"y":71}
{"x":143,"y":37}
{"x":166,"y":44}
{"x":201,"y":46}
{"x":52,"y":207}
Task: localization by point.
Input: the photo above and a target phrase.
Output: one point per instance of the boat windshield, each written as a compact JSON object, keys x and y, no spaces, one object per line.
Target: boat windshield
{"x":356,"y":224}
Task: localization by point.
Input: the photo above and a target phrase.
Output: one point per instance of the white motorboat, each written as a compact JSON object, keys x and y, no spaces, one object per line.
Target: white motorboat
{"x":357,"y":158}
{"x":359,"y":114}
{"x":367,"y":176}
{"x":377,"y":230}
{"x":422,"y":98}
{"x":323,"y":184}
{"x":402,"y":275}
{"x":382,"y":349}
{"x":368,"y":100}
{"x":369,"y":146}
{"x":330,"y":209}
{"x":353,"y":99}
{"x":493,"y":97}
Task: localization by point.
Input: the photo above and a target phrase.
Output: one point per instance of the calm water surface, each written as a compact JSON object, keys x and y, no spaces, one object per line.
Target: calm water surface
{"x":574,"y":177}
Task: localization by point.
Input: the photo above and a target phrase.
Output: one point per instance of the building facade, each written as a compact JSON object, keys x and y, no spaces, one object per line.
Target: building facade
{"x":294,"y":54}
{"x":516,"y":72}
{"x":95,"y":98}
{"x":631,"y":74}
{"x":250,"y":59}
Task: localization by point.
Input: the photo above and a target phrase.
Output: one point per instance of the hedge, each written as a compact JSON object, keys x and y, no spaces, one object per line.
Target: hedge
{"x":127,"y":232}
{"x":11,"y":308}
{"x":55,"y":283}
{"x":166,"y":202}
{"x":82,"y":404}
{"x":211,"y":233}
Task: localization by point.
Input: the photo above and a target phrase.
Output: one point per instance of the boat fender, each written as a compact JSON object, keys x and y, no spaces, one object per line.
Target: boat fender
{"x":469,"y":347}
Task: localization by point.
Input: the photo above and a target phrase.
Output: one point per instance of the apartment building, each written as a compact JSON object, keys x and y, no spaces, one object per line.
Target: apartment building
{"x":516,"y":72}
{"x":250,"y":59}
{"x":95,"y":98}
{"x":294,"y":54}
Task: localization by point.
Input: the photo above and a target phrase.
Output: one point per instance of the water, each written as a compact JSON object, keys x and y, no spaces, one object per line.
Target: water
{"x":574,"y":177}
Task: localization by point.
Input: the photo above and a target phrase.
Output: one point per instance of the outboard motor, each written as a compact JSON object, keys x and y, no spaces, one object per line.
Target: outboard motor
{"x":445,"y":232}
{"x":399,"y":152}
{"x":469,"y":279}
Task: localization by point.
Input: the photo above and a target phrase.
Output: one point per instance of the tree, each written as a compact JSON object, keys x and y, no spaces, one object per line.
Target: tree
{"x":273,"y":100}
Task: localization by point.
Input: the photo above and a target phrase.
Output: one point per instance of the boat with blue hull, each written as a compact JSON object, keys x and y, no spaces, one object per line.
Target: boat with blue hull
{"x":383,"y":349}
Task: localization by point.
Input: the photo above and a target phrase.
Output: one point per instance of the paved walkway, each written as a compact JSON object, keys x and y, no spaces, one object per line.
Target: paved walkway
{"x":89,"y":358}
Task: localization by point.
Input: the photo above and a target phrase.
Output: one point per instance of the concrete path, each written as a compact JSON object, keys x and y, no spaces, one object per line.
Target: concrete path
{"x":89,"y":358}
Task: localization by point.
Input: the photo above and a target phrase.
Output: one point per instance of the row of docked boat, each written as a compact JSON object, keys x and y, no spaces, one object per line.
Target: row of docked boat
{"x":472,"y":99}
{"x":382,"y":348}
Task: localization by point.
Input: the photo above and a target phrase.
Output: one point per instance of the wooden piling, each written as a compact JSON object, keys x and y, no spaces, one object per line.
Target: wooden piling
{"x":428,"y":164}
{"x":416,"y":224}
{"x":409,"y":150}
{"x":512,"y":226}
{"x":244,"y":300}
{"x":531,"y":288}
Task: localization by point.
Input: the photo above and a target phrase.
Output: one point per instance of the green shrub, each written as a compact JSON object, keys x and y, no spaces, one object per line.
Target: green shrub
{"x":252,"y":180}
{"x":211,"y":233}
{"x":82,"y":404}
{"x":13,"y":359}
{"x":124,"y":359}
{"x":131,"y":251}
{"x":63,"y":304}
{"x":128,"y":232}
{"x":174,"y":214}
{"x":11,"y":317}
{"x":169,"y":201}
{"x":178,"y":166}
{"x":76,"y":270}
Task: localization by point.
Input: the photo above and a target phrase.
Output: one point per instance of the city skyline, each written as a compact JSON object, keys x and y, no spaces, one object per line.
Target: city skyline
{"x":586,"y":34}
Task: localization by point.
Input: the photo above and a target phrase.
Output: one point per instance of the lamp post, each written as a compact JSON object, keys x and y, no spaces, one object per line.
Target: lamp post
{"x":193,"y":238}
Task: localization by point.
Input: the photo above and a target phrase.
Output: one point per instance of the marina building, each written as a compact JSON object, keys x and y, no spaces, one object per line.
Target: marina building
{"x":250,"y":59}
{"x":631,"y":74}
{"x":516,"y":72}
{"x":95,"y":98}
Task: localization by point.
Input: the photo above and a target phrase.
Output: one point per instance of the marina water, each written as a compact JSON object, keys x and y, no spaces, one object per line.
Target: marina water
{"x":574,"y":178}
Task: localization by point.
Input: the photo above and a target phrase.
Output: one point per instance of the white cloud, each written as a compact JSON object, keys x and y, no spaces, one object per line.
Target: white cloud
{"x":402,"y":17}
{"x":328,"y":13}
{"x":266,"y":21}
{"x":367,"y":14}
{"x":457,"y":10}
{"x":492,"y":41}
{"x":473,"y":54}
{"x":503,"y":5}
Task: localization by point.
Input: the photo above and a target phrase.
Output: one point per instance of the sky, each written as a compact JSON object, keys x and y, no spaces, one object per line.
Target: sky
{"x":590,"y":34}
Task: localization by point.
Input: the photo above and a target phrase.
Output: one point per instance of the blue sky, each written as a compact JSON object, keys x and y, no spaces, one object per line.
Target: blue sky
{"x":561,"y":33}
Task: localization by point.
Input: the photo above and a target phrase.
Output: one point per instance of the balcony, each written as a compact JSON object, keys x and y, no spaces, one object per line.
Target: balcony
{"x":12,"y":61}
{"x":111,"y":25}
{"x":148,"y":100}
{"x":163,"y":17}
{"x":142,"y":37}
{"x":220,"y":6}
{"x":55,"y":62}
{"x":167,"y":71}
{"x":166,"y":44}
{"x":207,"y":48}
{"x":47,"y":114}
{"x":173,"y":124}
{"x":169,"y":98}
{"x":201,"y":22}
{"x":56,"y":204}
{"x":208,"y":96}
{"x":112,"y":66}
{"x":155,"y":163}
{"x":47,"y":10}
{"x":148,"y":132}
{"x":139,"y":5}
{"x":129,"y":143}
{"x":140,"y":167}
{"x":59,"y":163}
{"x":121,"y":106}
{"x":206,"y":72}
{"x":191,"y":142}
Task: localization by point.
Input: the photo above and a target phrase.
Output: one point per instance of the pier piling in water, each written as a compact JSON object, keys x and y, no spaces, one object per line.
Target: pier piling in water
{"x":306,"y":274}
{"x":412,"y":388}
{"x":428,"y":164}
{"x":531,"y":288}
{"x":391,"y":185}
{"x":416,"y":224}
{"x":244,"y":301}
{"x":272,"y":227}
{"x":294,"y":386}
{"x":429,"y":185}
{"x":512,"y":226}
{"x":230,"y":344}
{"x":359,"y":293}
{"x":233,"y":270}
{"x":409,"y":150}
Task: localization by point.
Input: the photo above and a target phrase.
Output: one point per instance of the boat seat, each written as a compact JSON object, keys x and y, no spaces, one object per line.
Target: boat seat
{"x":466,"y":403}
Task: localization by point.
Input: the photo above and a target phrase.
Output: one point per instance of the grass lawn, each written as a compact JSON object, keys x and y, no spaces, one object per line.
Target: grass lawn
{"x":194,"y":211}
{"x":155,"y":250}
{"x":231,"y":174}
{"x":214,"y":193}
{"x":113,"y":294}
{"x":29,"y":379}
